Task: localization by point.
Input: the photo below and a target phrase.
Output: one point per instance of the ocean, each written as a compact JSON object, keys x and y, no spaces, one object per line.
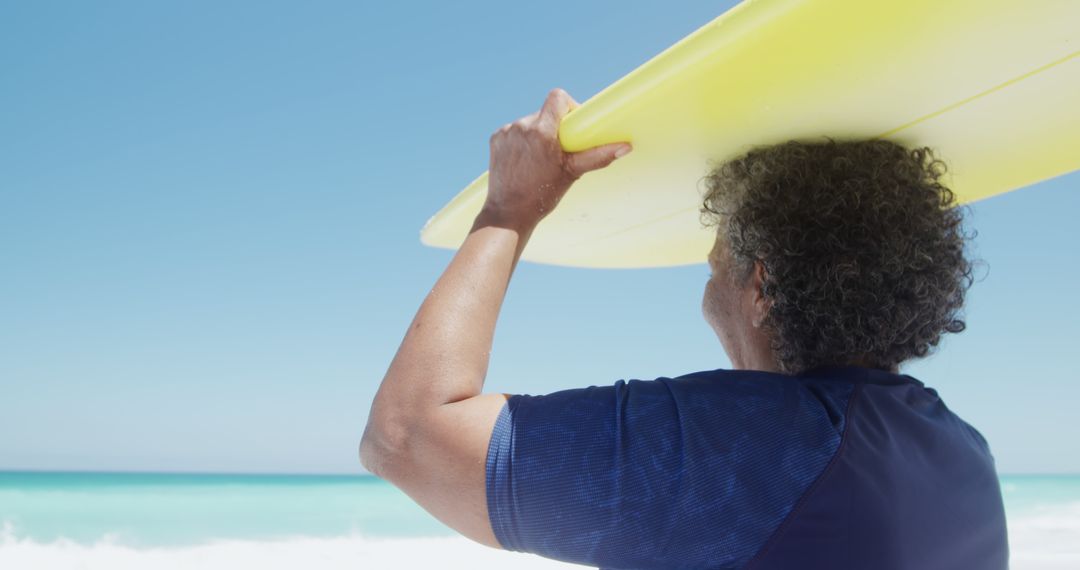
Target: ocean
{"x":316,"y":522}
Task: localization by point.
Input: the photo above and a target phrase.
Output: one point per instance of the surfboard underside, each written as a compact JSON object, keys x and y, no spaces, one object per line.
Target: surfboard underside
{"x":993,"y":86}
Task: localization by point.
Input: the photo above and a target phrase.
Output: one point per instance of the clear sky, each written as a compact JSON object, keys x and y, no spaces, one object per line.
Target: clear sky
{"x":209,"y":221}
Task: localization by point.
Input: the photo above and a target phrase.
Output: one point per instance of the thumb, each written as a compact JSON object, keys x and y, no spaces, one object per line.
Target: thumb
{"x":597,"y":157}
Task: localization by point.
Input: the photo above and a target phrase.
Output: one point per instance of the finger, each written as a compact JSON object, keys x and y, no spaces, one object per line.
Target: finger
{"x":579,"y":163}
{"x":526,"y":121}
{"x":555,"y":106}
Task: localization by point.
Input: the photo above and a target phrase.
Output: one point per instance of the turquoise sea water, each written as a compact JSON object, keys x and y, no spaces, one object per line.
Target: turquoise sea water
{"x":54,"y":512}
{"x":155,"y":509}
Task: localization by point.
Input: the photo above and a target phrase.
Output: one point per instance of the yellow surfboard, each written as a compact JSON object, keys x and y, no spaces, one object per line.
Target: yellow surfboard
{"x":992,"y":85}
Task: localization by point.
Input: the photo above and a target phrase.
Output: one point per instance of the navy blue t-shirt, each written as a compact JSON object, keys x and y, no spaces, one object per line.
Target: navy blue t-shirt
{"x":838,"y":467}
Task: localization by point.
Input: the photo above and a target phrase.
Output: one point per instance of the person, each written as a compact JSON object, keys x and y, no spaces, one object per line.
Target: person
{"x":834,"y":263}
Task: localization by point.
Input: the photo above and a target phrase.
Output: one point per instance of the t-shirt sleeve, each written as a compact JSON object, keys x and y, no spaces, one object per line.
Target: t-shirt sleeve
{"x":555,"y":484}
{"x":641,"y":475}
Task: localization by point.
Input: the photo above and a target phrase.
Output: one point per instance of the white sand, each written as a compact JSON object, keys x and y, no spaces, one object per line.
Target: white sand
{"x":1041,"y":540}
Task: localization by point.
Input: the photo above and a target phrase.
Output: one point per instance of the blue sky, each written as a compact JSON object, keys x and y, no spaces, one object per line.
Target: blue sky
{"x":209,"y":220}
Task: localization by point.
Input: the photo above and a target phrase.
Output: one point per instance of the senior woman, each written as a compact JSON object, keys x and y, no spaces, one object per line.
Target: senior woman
{"x":834,"y":264}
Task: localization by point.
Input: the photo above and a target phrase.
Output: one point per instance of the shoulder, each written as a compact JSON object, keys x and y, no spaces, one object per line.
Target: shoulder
{"x":765,"y":399}
{"x":622,"y":474}
{"x":732,"y":392}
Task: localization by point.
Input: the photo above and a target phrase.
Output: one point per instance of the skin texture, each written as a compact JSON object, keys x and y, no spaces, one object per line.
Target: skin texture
{"x":429,"y":425}
{"x":735,"y":308}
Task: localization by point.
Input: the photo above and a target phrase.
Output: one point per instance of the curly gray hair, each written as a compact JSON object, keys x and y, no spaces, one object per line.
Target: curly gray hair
{"x":862,"y":244}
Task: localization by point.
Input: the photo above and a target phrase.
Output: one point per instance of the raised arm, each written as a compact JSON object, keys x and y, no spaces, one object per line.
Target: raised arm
{"x":429,"y":425}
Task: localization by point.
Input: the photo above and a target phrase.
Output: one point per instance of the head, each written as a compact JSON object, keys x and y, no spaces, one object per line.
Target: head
{"x":833,"y":253}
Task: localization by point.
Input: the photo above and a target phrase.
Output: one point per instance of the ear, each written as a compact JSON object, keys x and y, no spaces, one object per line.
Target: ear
{"x":760,"y":303}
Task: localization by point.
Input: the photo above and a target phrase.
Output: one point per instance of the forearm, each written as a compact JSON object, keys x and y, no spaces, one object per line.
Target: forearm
{"x":444,"y":356}
{"x":429,"y":409}
{"x":430,"y":426}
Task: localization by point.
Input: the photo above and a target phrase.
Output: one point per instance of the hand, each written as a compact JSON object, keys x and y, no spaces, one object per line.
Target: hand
{"x":529,"y":171}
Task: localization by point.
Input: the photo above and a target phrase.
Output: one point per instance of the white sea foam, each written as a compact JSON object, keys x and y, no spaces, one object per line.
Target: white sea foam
{"x":1046,"y":538}
{"x":351,"y":552}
